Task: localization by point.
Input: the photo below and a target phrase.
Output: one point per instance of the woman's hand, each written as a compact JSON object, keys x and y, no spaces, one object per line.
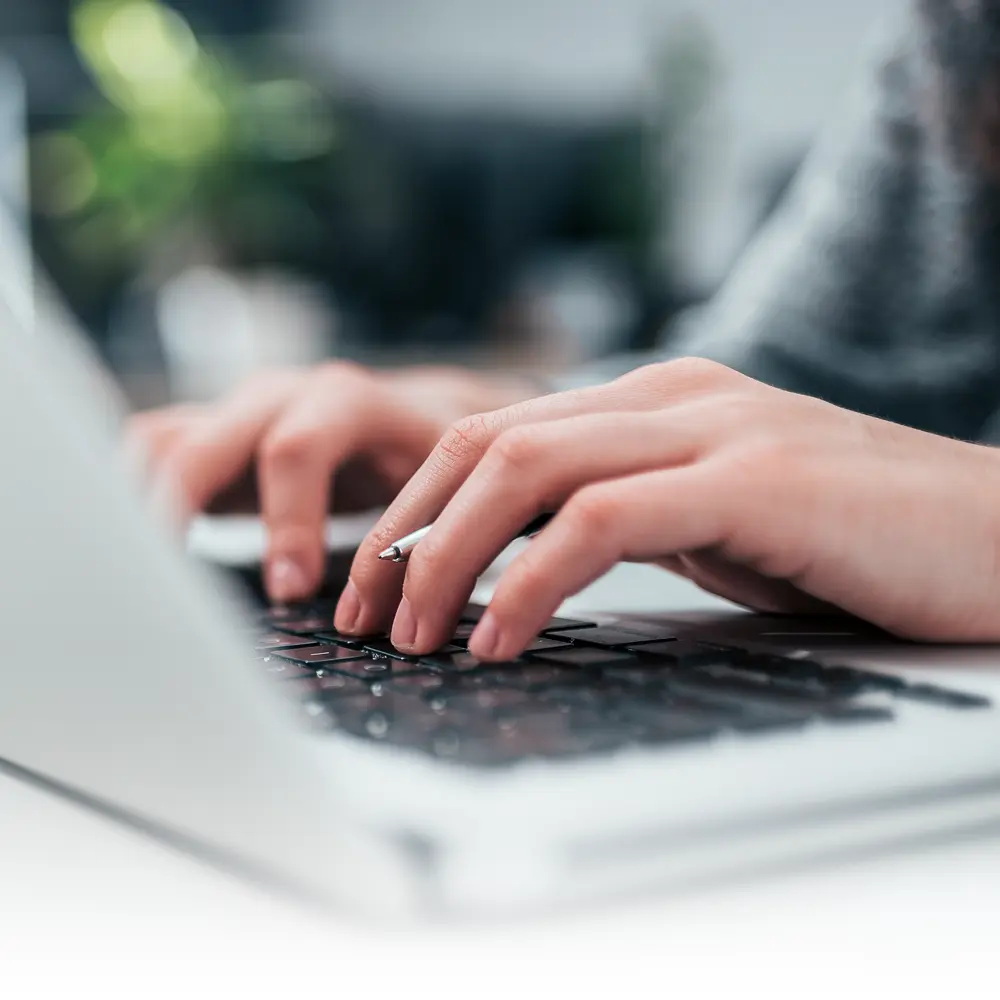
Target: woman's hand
{"x":282,"y":439}
{"x":773,"y":500}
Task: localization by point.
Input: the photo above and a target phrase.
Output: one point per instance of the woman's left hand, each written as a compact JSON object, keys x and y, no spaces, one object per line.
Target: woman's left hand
{"x":776,"y":501}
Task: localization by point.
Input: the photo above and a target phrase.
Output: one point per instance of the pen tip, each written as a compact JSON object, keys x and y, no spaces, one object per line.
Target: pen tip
{"x":389,"y":553}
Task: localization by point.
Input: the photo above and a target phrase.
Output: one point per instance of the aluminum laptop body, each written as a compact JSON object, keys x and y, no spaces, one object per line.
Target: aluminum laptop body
{"x":127,"y":683}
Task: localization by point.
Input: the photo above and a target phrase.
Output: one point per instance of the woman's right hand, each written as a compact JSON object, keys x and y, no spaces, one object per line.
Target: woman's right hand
{"x":301,"y":443}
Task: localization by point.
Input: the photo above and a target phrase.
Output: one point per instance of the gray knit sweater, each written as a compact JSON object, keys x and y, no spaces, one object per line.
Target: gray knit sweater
{"x":877,"y":284}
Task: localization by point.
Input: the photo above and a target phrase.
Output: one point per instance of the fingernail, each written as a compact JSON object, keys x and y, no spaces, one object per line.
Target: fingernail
{"x":404,"y":628}
{"x":486,"y":638}
{"x":287,"y":580}
{"x":348,"y":609}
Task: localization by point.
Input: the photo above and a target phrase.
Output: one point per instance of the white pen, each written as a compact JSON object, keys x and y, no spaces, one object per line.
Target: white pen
{"x":399,"y":551}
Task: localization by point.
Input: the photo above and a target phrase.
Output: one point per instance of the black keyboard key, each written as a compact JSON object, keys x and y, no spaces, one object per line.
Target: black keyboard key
{"x":745,"y":694}
{"x":645,"y":675}
{"x":674,"y":727}
{"x":683,"y":654}
{"x":946,"y":698}
{"x":372,"y":669}
{"x":519,"y":676}
{"x":573,"y":696}
{"x":333,"y":637}
{"x":485,"y":701}
{"x":352,"y":713}
{"x":281,"y":613}
{"x":769,"y":722}
{"x":280,"y":640}
{"x":840,"y":682}
{"x":297,"y":612}
{"x":318,"y":655}
{"x":870,"y":681}
{"x":551,"y":734}
{"x":611,"y":636}
{"x":474,"y":612}
{"x":858,"y":714}
{"x":546,"y":644}
{"x":798,"y":668}
{"x":565,"y":625}
{"x":585,"y":657}
{"x":305,"y":626}
{"x":646,"y":706}
{"x":844,"y":682}
{"x":463,"y":632}
{"x":800,"y":673}
{"x":416,"y":683}
{"x":810,"y":686}
{"x":457,"y":660}
{"x":331,"y":685}
{"x":384,"y":649}
{"x":407,"y":722}
{"x":286,"y":670}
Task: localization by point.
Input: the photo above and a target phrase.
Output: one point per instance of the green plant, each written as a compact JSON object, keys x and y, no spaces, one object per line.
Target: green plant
{"x":180,"y":134}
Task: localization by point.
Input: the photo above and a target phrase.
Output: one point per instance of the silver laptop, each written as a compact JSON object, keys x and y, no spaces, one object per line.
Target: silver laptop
{"x":622,"y":754}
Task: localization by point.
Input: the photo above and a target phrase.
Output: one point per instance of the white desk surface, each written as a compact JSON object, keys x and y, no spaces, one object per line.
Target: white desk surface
{"x":89,"y":908}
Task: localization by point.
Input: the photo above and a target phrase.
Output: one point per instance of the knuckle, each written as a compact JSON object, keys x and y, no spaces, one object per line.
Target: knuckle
{"x":518,"y":449}
{"x":772,"y":452}
{"x":682,"y":376}
{"x":697,"y":369}
{"x":733,"y":415}
{"x":534,"y":579}
{"x":468,"y":438}
{"x":593,"y":511}
{"x":281,"y":449}
{"x":755,"y":468}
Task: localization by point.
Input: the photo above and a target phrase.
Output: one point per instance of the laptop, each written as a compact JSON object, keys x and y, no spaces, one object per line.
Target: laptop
{"x":623,"y":753}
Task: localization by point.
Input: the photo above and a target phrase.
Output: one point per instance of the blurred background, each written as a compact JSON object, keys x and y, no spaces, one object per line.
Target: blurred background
{"x":219,"y":185}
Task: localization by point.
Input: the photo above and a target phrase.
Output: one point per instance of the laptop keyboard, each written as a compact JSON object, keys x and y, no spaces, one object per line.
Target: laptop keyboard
{"x":580,"y":689}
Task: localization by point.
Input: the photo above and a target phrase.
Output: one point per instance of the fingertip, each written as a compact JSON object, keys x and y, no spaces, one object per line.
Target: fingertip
{"x":348,"y":609}
{"x":485,"y":639}
{"x":495,"y":642}
{"x":288,"y":579}
{"x":404,"y":626}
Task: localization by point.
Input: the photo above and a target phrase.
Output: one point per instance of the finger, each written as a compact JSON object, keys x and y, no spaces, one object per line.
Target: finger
{"x":375,"y":588}
{"x":219,"y":448}
{"x":149,"y":437}
{"x":642,"y":517}
{"x":528,"y":470}
{"x":339,"y":414}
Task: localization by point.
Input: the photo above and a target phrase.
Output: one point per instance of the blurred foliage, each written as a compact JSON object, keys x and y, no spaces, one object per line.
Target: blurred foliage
{"x":181,"y":137}
{"x":186,"y":153}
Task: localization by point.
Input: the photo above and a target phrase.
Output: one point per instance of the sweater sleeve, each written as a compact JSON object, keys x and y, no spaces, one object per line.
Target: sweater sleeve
{"x":858,"y":290}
